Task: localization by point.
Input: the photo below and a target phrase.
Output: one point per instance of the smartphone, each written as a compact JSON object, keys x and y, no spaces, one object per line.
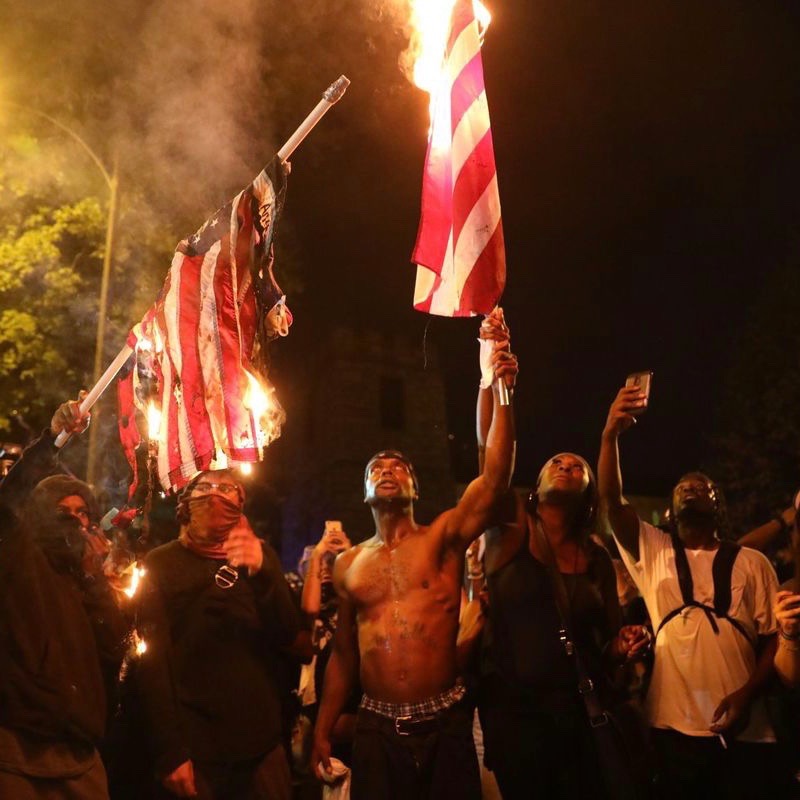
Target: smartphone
{"x":333,"y":525}
{"x":642,"y":380}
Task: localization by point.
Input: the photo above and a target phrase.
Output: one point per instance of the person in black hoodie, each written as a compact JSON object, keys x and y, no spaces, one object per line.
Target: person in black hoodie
{"x":61,"y":634}
{"x":215,"y":610}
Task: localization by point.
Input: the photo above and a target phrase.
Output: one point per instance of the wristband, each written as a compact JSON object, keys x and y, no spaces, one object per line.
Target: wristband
{"x":793,"y":637}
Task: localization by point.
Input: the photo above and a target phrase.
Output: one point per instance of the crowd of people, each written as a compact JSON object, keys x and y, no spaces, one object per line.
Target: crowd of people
{"x":586,"y":652}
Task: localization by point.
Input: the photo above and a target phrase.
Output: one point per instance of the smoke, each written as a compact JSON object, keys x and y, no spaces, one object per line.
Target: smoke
{"x":175,"y":91}
{"x":191,"y":97}
{"x":191,"y":100}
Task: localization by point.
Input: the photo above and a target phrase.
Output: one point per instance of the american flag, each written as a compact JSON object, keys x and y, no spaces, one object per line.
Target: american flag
{"x":459,"y":250}
{"x":197,"y":343}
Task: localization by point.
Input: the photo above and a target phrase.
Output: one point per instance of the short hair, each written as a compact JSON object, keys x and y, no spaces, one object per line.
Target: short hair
{"x":397,"y":456}
{"x":587,"y":518}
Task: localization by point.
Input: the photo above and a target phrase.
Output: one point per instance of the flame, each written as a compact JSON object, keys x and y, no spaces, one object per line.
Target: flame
{"x":153,"y":421}
{"x":266,"y":411}
{"x":255,"y":398}
{"x":430,"y":23}
{"x":140,"y":644}
{"x":136,"y":575}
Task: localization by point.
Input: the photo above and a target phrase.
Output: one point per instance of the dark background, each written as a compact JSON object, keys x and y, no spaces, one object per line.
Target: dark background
{"x":648,"y":163}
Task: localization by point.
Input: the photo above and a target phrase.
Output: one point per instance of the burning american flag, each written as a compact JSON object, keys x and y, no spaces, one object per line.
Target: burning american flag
{"x":196,"y":345}
{"x":459,"y":250}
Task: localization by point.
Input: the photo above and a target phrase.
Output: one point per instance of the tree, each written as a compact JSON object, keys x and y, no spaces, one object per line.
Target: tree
{"x":757,"y":441}
{"x":51,"y":248}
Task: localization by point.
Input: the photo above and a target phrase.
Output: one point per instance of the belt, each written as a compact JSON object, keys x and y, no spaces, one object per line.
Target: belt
{"x":411,"y":718}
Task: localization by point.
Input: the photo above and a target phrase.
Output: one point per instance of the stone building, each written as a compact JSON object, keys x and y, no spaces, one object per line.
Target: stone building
{"x":363,"y":392}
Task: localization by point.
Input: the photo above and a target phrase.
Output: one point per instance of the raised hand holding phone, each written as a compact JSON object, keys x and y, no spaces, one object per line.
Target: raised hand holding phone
{"x":640,"y":381}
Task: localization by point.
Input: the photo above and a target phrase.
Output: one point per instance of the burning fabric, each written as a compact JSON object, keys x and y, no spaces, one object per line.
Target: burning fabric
{"x":197,"y":348}
{"x":460,"y":250}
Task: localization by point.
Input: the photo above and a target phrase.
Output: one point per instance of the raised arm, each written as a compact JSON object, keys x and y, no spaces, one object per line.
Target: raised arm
{"x":38,"y":460}
{"x":474,"y":511}
{"x":332,"y":542}
{"x":622,"y":518}
{"x":761,"y":537}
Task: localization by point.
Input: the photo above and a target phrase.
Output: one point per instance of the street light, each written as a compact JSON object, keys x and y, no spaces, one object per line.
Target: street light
{"x":112,"y":183}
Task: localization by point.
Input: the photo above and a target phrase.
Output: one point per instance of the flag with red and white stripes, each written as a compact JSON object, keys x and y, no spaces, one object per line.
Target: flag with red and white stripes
{"x":196,"y":343}
{"x":460,"y":254}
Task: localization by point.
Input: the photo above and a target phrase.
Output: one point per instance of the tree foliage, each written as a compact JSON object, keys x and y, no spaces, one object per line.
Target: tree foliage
{"x":52,"y":238}
{"x":757,"y":443}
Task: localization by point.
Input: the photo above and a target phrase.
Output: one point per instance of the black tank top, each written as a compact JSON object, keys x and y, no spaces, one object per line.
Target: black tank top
{"x":522,"y":643}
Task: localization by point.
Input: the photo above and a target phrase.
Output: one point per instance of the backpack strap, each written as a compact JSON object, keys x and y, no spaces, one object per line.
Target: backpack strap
{"x":721,"y":571}
{"x":684,"y":572}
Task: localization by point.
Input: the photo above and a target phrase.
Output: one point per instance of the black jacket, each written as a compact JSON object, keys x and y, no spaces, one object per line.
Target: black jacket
{"x":61,"y":634}
{"x":209,"y":678}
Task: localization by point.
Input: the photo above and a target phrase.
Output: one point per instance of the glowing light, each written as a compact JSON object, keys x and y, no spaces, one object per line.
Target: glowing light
{"x":140,"y":644}
{"x":153,"y":421}
{"x":220,"y":461}
{"x":245,"y":468}
{"x":266,"y":411}
{"x":256,"y":399}
{"x":430,"y":23}
{"x":136,"y":575}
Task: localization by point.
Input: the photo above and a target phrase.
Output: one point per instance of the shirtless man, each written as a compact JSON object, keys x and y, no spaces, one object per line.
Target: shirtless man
{"x":400,"y":594}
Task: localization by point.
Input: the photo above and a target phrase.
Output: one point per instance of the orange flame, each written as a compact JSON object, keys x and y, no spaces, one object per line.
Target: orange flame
{"x":140,"y":644}
{"x":256,"y":399}
{"x":266,"y":410}
{"x":136,"y":576}
{"x":153,"y":421}
{"x":430,"y":23}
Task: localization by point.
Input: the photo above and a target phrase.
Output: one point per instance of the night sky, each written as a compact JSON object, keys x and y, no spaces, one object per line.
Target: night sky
{"x":648,"y":163}
{"x":647,"y":155}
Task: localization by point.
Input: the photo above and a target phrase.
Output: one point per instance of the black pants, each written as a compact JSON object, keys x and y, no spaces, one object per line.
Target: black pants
{"x":699,"y":766}
{"x":541,"y":754}
{"x":264,"y":778}
{"x":436,"y":765}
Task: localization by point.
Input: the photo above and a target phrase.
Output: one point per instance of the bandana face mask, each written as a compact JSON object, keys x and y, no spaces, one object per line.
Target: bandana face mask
{"x":211,"y":518}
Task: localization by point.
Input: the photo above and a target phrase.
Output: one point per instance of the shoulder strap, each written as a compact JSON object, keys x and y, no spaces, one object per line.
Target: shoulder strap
{"x":722,"y":570}
{"x":684,"y":573}
{"x":586,"y":686}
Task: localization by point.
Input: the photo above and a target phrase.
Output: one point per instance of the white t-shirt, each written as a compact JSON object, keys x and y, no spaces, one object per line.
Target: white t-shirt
{"x":695,"y":668}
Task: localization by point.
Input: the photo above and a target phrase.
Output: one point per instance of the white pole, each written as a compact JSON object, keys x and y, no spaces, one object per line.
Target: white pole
{"x":94,"y":395}
{"x":330,"y":96}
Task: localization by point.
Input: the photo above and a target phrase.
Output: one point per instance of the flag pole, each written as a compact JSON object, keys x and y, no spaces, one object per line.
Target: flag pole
{"x":102,"y":384}
{"x":330,"y":97}
{"x":502,"y":392}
